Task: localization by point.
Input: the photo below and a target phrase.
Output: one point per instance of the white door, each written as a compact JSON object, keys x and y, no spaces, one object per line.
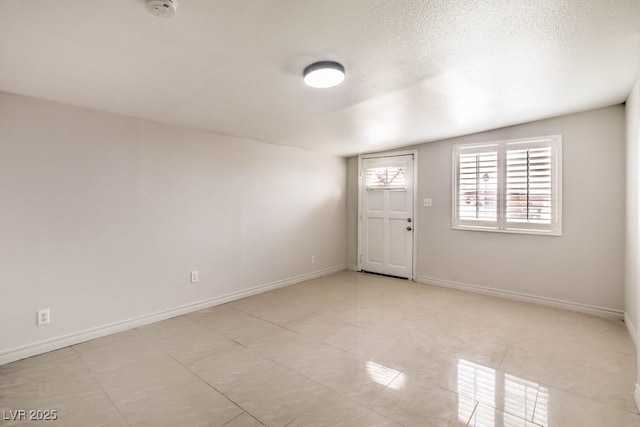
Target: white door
{"x":386,"y":215}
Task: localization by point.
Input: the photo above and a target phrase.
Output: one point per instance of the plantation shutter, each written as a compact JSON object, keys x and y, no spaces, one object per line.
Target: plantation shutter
{"x":529,"y":197}
{"x":478,"y":184}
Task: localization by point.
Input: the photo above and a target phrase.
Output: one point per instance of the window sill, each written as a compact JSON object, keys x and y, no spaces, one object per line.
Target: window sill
{"x":555,"y":233}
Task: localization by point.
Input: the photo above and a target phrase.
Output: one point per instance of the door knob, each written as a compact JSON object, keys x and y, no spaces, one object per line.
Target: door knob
{"x":408,"y":219}
{"x":409,"y":228}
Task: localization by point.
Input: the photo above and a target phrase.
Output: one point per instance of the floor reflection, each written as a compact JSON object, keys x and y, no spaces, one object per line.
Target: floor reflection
{"x":542,"y":407}
{"x":518,"y":397}
{"x":386,"y":376}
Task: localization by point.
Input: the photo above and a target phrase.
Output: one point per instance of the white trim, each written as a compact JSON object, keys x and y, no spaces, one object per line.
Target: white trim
{"x":33,"y":349}
{"x":608,"y":313}
{"x":634,"y":337}
{"x":352,"y":267}
{"x":387,"y":154}
{"x":631,"y":329}
{"x":361,"y":157}
{"x":505,"y":230}
{"x":416,"y":229}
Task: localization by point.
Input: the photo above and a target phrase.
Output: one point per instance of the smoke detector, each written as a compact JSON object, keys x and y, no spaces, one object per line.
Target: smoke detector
{"x":162,"y":8}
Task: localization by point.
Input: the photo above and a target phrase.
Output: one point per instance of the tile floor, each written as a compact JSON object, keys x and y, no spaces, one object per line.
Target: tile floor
{"x":349,"y":349}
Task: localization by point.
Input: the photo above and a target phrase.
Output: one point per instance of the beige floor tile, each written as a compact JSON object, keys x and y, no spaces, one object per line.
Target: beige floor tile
{"x":575,"y":376}
{"x":273,"y":310}
{"x":74,"y":403}
{"x":182,"y":400}
{"x":297,"y":352}
{"x":347,"y":349}
{"x":325,"y":305}
{"x":353,"y":376}
{"x":524,"y":363}
{"x":45,"y":364}
{"x":355,"y":315}
{"x":419,"y":361}
{"x":547,"y":329}
{"x":612,"y":362}
{"x":122,"y":423}
{"x":238,"y":326}
{"x":134,"y":367}
{"x":318,"y":326}
{"x":117,"y":352}
{"x":207,"y":414}
{"x":151,"y":382}
{"x":487,"y":353}
{"x":558,"y":408}
{"x":113,"y":343}
{"x":410,"y":402}
{"x":244,"y":420}
{"x":278,"y":396}
{"x":207,"y":311}
{"x":416,"y":357}
{"x":486,"y":416}
{"x":228,"y":369}
{"x":56,"y":381}
{"x":611,"y":390}
{"x":336,"y":411}
{"x":169,"y":327}
{"x":579,"y":336}
{"x":184,"y":339}
{"x":361,"y":341}
{"x":380,"y":321}
{"x":399,"y":328}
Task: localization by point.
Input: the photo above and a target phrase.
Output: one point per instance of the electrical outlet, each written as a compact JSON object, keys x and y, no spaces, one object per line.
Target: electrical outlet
{"x":313,"y":259}
{"x":194,"y":276}
{"x":44,"y":317}
{"x":427,"y":202}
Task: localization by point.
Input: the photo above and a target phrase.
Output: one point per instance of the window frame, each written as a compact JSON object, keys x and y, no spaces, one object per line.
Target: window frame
{"x":501,"y":225}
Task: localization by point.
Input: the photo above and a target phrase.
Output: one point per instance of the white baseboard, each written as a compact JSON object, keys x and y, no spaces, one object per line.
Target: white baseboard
{"x":352,"y":267}
{"x":632,"y":330}
{"x":608,"y":313}
{"x":40,"y":347}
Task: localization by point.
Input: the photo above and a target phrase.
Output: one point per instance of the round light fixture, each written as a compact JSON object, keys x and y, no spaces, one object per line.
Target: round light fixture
{"x":324,"y":74}
{"x":162,"y":8}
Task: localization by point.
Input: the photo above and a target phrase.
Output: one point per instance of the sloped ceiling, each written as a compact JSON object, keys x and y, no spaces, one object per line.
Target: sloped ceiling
{"x":417,"y":71}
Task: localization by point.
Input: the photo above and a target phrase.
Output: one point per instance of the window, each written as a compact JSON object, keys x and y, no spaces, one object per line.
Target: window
{"x":510,"y":186}
{"x":391,"y":177}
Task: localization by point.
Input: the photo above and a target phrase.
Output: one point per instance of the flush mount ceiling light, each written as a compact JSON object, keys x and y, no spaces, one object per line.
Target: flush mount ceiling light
{"x":324,"y":74}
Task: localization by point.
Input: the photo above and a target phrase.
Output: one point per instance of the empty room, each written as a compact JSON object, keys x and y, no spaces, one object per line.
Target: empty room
{"x":319,"y":213}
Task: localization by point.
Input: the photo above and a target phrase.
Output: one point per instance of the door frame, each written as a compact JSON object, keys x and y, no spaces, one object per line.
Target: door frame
{"x":361,"y":157}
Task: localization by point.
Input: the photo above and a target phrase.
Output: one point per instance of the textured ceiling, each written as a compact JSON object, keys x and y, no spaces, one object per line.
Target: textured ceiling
{"x":417,"y":71}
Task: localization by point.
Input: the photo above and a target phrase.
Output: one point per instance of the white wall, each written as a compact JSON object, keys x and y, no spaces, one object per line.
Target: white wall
{"x":583,"y":267}
{"x":102,"y":217}
{"x":632,"y":265}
